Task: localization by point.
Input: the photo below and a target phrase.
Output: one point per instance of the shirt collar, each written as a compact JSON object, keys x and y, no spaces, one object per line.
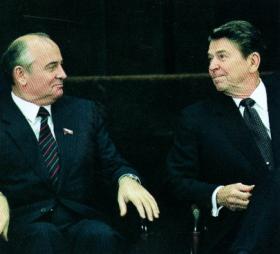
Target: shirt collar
{"x":28,"y":109}
{"x":258,"y":95}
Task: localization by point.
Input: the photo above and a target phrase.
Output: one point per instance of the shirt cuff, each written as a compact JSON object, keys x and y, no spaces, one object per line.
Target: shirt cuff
{"x":215,"y":209}
{"x":132,"y":176}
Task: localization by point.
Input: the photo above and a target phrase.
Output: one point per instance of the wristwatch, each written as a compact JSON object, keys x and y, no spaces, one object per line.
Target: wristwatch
{"x":132,"y":176}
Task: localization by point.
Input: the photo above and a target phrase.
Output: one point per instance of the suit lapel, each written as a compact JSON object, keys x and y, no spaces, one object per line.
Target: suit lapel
{"x":67,"y":140}
{"x":18,"y":129}
{"x":233,"y":125}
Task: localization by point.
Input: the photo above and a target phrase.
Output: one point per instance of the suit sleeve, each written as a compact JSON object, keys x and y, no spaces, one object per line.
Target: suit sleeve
{"x":183,"y":163}
{"x":111,"y":162}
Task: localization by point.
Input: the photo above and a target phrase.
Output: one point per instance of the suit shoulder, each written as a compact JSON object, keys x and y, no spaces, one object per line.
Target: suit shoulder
{"x":80,"y":106}
{"x":72,"y":101}
{"x":271,"y":79}
{"x":75,"y":100}
{"x":198,"y":108}
{"x":196,"y":115}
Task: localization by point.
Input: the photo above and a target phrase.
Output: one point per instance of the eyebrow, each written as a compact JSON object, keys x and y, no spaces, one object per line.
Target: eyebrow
{"x":218,"y":52}
{"x":54,"y":63}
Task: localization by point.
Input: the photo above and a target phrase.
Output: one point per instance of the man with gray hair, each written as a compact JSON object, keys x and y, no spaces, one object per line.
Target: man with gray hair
{"x":51,"y":147}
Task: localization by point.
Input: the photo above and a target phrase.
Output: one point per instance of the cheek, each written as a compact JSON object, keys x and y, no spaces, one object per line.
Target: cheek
{"x":233,"y":69}
{"x":239,"y":70}
{"x":51,"y":80}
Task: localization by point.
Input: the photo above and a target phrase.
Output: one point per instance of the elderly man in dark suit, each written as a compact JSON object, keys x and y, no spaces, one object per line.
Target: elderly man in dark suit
{"x":227,"y":147}
{"x":50,"y":149}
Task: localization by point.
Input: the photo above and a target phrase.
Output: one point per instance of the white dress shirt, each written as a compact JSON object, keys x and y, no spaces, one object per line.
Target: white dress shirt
{"x":260,"y":97}
{"x":30,"y":111}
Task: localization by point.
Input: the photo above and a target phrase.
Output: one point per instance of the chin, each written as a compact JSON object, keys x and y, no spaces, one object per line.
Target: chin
{"x":219,"y":86}
{"x":59,"y":92}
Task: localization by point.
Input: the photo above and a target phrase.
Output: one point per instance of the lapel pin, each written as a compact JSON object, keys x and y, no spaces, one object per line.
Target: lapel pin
{"x":67,"y":131}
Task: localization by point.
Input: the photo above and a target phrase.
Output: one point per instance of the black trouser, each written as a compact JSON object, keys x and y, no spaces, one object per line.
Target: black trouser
{"x":62,"y":231}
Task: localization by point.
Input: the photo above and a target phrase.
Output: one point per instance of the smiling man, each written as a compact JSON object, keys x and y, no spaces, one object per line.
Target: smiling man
{"x":226,"y":147}
{"x":51,"y":147}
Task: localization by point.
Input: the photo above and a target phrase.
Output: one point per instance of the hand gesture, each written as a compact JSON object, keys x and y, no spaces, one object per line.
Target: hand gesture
{"x":235,"y":196}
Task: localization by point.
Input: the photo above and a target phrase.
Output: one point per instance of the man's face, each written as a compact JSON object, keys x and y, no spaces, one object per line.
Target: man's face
{"x":44,"y":83}
{"x":228,"y":68}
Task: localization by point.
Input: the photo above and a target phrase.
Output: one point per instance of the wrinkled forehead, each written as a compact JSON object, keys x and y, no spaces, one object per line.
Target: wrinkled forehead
{"x":42,"y":44}
{"x":43,"y":50}
{"x":222,"y":44}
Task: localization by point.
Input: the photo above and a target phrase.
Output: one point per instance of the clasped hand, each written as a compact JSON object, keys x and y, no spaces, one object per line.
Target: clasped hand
{"x":235,"y":196}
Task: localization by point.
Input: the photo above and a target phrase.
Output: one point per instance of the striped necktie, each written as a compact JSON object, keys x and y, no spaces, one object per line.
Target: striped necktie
{"x":255,"y":124}
{"x":48,"y":147}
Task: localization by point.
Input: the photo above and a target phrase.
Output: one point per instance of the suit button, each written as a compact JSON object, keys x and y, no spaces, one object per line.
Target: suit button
{"x":43,"y":210}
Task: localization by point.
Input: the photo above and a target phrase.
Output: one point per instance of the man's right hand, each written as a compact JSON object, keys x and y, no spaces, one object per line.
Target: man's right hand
{"x":4,"y":217}
{"x":235,"y":196}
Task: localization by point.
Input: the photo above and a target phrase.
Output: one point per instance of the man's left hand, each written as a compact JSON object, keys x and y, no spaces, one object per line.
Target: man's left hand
{"x":132,"y":191}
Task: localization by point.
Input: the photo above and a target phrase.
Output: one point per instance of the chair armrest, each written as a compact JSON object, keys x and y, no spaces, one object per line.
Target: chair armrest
{"x":196,"y":233}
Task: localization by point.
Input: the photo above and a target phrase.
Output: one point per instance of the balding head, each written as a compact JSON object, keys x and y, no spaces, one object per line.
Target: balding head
{"x":33,"y":66}
{"x":18,"y":54}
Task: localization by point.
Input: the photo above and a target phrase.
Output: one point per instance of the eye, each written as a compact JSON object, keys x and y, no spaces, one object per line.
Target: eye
{"x":51,"y":67}
{"x":210,"y":58}
{"x":222,"y":56}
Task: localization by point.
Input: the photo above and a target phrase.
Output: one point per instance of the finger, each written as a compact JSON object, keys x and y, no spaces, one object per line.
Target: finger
{"x":154,"y":204}
{"x":154,"y":207}
{"x":237,"y":207}
{"x":243,"y":195}
{"x":148,"y":209}
{"x":241,"y":207}
{"x":246,"y":188}
{"x":1,"y":227}
{"x":149,"y":198}
{"x":237,"y":201}
{"x":140,"y":208}
{"x":122,"y":206}
{"x":242,"y":202}
{"x":155,"y":210}
{"x":5,"y":233}
{"x":149,"y":203}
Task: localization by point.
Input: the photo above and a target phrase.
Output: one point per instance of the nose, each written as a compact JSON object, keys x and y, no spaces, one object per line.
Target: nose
{"x":61,"y":74}
{"x":213,"y":65}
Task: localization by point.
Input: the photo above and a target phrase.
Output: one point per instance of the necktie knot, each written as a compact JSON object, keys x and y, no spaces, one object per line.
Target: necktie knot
{"x":247,"y":103}
{"x":43,"y":112}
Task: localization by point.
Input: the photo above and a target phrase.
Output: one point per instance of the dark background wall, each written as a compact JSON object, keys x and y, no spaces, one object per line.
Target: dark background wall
{"x":103,"y":37}
{"x":164,"y":38}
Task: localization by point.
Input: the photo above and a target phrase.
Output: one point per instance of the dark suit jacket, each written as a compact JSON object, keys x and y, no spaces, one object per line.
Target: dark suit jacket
{"x":88,"y":150}
{"x":213,"y":147}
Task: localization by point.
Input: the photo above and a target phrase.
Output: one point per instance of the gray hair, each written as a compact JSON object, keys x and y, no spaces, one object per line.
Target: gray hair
{"x":16,"y":54}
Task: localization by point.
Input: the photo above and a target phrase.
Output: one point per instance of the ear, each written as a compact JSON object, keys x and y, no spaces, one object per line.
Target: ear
{"x":254,"y":61}
{"x":19,"y":74}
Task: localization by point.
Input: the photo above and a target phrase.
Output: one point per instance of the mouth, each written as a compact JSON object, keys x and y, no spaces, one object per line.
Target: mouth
{"x":60,"y":85}
{"x":218,"y":78}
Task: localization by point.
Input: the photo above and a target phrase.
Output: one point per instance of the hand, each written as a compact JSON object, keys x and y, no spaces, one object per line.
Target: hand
{"x":131,"y":190}
{"x":235,"y":196}
{"x":4,"y":217}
